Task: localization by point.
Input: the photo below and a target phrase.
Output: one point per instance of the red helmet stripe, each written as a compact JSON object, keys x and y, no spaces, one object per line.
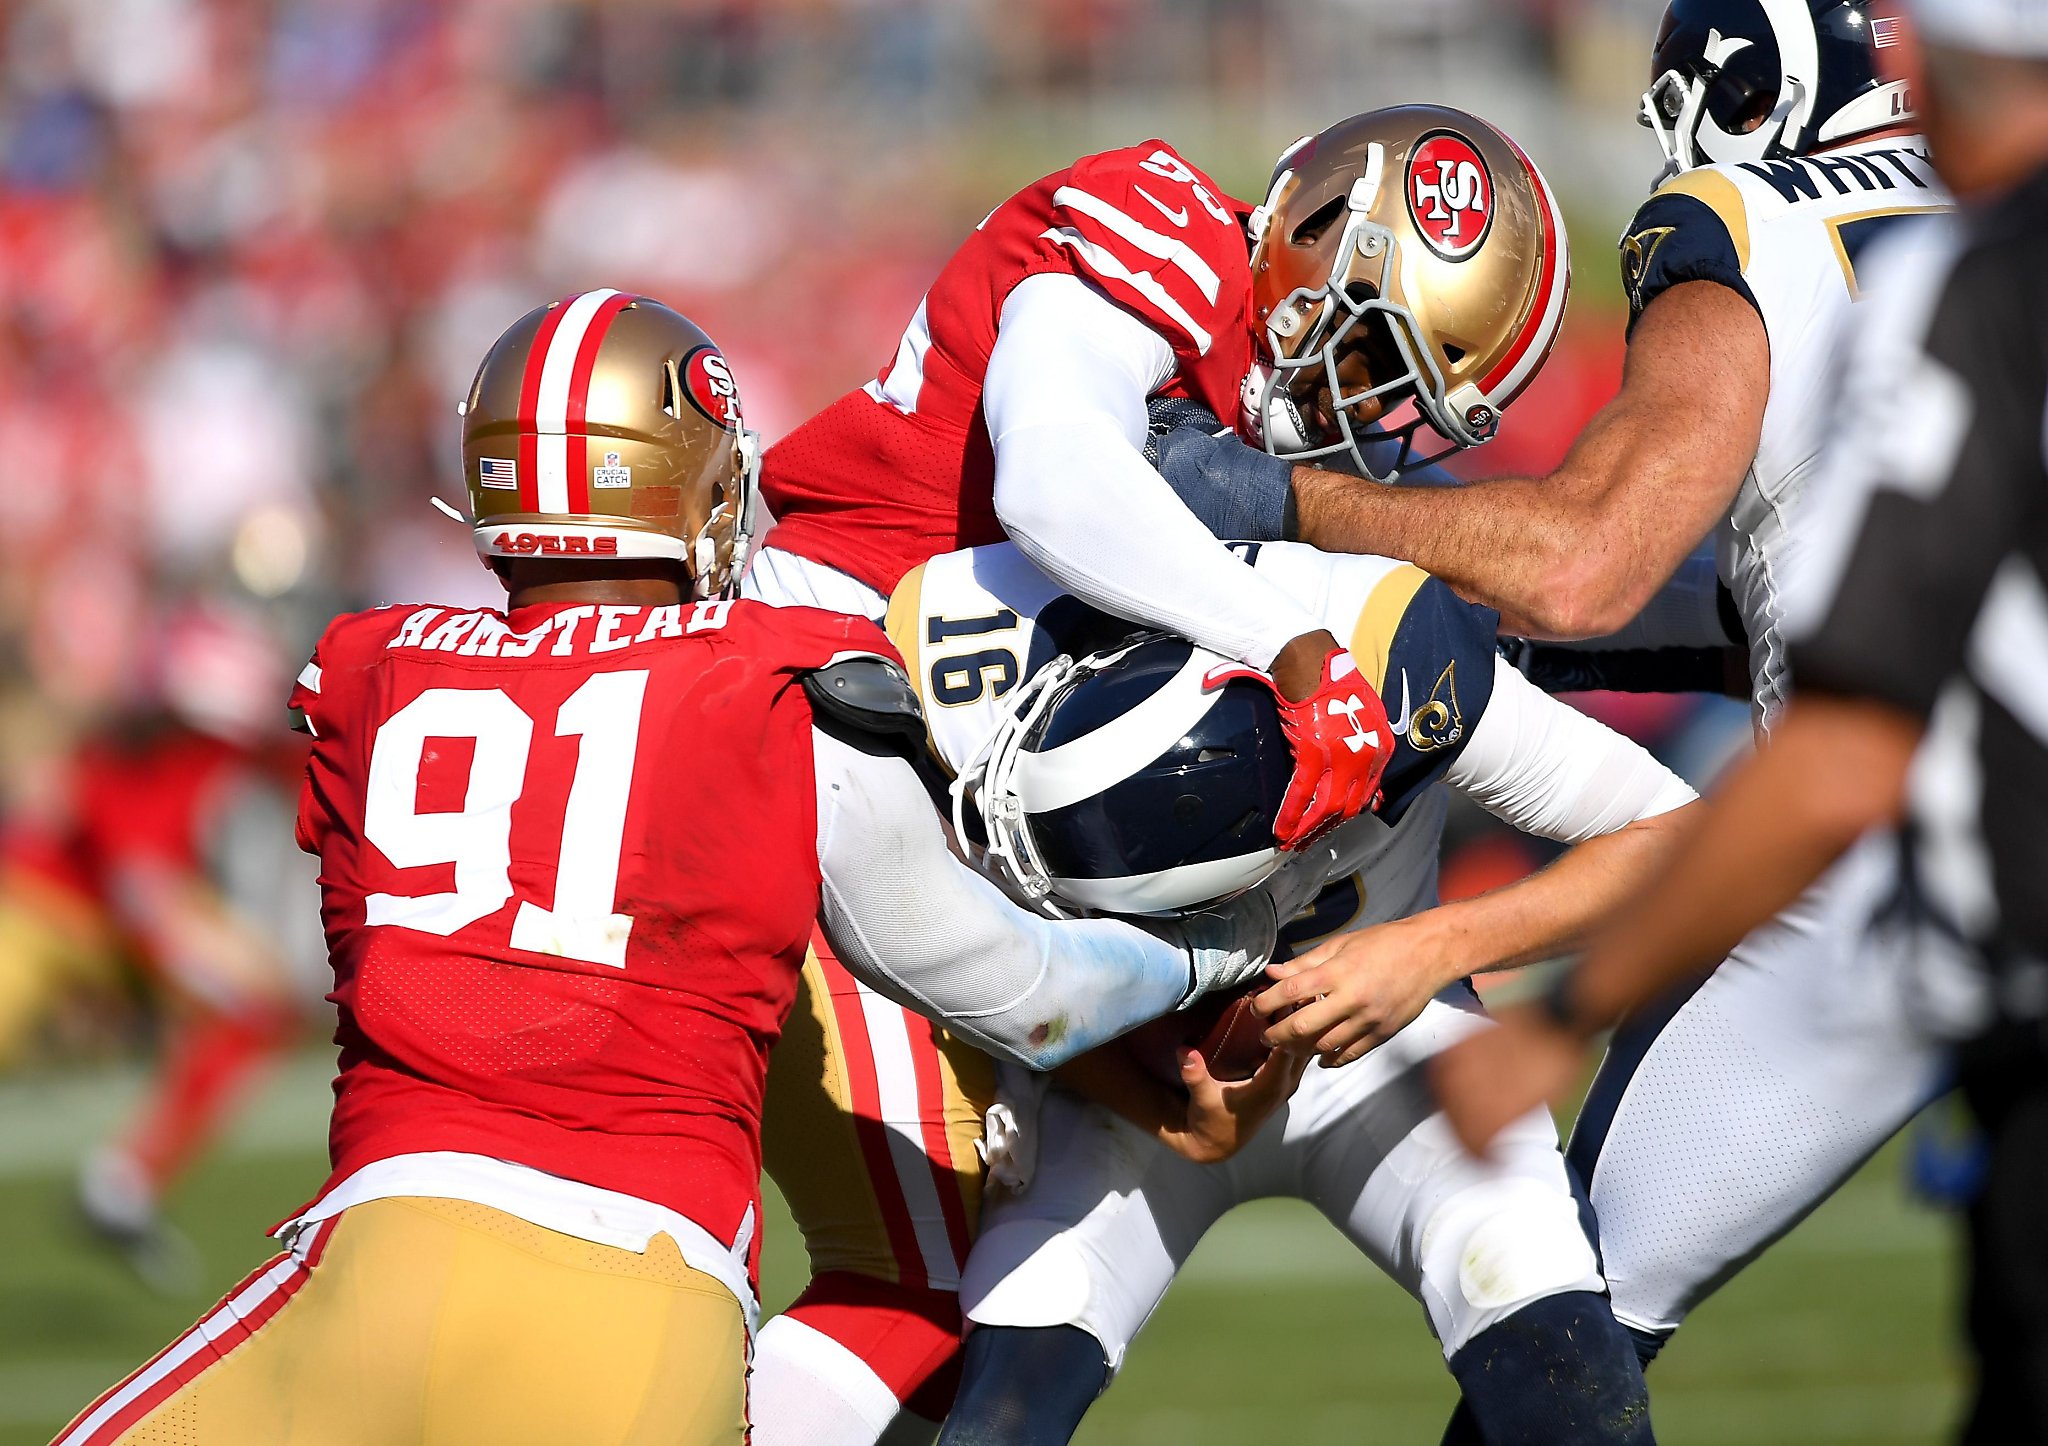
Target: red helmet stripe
{"x":529,"y":406}
{"x":577,"y":462}
{"x":1548,"y":310}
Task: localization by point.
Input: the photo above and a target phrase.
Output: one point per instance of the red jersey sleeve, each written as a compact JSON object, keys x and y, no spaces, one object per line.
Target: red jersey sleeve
{"x":1162,"y":240}
{"x":305,"y":706}
{"x":326,"y":689}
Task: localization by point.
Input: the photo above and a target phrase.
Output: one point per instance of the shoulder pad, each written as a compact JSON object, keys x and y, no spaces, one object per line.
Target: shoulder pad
{"x":867,"y":693}
{"x":1693,"y":229}
{"x":1721,"y":194}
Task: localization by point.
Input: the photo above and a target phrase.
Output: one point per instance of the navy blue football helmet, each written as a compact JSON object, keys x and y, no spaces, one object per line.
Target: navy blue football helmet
{"x":1747,"y":80}
{"x":1124,"y":782}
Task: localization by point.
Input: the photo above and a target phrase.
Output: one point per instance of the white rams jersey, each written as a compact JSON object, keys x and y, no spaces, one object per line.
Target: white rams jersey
{"x":972,"y":625}
{"x":1785,"y":235}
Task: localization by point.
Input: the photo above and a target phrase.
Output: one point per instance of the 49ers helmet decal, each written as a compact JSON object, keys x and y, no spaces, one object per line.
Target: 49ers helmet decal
{"x":708,"y":383}
{"x":1405,"y":257}
{"x":1450,"y":194}
{"x":608,"y":425}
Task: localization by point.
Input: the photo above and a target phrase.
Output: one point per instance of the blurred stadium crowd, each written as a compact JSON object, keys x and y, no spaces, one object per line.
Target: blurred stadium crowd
{"x":249,"y":251}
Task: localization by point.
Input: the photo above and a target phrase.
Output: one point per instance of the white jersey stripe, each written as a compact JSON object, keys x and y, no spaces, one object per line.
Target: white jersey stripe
{"x":1174,"y":252}
{"x":551,"y":409}
{"x":201,"y":1337}
{"x":896,"y":1085}
{"x":906,"y":374}
{"x":1143,"y":282}
{"x":551,"y":453}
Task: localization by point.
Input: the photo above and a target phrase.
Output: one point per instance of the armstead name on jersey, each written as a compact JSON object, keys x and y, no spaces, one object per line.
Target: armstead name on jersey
{"x":487,"y":633}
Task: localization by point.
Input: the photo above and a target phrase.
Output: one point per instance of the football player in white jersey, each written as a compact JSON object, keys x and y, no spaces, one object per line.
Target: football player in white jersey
{"x":1103,"y":773}
{"x":1721,"y":1119}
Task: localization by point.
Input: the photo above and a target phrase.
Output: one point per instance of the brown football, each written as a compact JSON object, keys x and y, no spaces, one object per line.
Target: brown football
{"x":1222,"y":1028}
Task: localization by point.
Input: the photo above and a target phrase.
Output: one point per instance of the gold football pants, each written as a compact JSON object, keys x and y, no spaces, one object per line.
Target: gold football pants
{"x":419,"y":1322}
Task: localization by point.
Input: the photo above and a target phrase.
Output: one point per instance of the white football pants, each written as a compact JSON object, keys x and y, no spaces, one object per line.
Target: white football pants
{"x":1709,"y":1134}
{"x":1111,"y":1215}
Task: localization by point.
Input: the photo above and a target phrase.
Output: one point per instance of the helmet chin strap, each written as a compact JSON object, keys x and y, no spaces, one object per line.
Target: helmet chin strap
{"x":1271,"y":417}
{"x":704,"y":547}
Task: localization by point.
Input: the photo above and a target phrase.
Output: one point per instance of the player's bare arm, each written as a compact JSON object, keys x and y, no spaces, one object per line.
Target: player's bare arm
{"x":1544,"y":768}
{"x":1577,"y":553}
{"x":1835,"y":768}
{"x":1362,"y":988}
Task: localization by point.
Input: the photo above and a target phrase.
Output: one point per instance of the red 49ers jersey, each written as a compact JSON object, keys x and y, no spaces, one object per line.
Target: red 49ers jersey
{"x":143,"y":801}
{"x":568,"y":873}
{"x":901,"y":469}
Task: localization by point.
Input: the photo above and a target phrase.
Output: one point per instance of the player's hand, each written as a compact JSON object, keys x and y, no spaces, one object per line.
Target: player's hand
{"x":1222,"y":1116}
{"x":1337,"y":727}
{"x":1489,"y":1081}
{"x":1350,"y":994}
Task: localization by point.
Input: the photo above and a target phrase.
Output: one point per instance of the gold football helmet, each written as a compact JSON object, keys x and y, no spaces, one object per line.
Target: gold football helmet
{"x":607,"y":425}
{"x":1410,"y":254}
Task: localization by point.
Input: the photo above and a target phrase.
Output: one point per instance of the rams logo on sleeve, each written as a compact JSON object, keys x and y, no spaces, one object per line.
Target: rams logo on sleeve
{"x":1439,"y":722}
{"x":1433,"y":654}
{"x":1693,"y":229}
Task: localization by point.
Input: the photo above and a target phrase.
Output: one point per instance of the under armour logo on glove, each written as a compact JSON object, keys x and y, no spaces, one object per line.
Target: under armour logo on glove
{"x":1331,"y":783}
{"x":1360,"y":734}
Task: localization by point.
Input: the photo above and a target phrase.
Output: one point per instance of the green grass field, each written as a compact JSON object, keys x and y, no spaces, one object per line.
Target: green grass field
{"x":1278,"y":1332}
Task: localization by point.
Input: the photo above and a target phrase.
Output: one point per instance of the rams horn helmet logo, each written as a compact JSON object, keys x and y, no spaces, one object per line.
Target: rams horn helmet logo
{"x":1450,"y":194}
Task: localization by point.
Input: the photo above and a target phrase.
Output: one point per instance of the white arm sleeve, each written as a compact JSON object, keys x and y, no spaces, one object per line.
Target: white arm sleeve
{"x":1065,"y":404}
{"x":1548,"y":769}
{"x":913,"y":922}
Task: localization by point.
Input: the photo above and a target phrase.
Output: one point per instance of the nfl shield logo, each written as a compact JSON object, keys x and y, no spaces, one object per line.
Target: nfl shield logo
{"x":611,"y":474}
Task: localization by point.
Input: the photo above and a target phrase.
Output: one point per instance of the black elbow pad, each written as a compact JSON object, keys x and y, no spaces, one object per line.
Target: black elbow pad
{"x":869,"y":702}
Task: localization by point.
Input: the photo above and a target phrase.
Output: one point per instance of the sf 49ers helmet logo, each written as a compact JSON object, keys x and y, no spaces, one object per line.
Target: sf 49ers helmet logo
{"x":1450,"y":194}
{"x":707,"y":381}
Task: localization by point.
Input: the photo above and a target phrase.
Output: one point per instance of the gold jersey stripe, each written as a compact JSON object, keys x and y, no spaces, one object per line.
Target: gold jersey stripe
{"x":1836,"y":223}
{"x":1372,"y":637}
{"x":904,"y":623}
{"x":1719,"y":195}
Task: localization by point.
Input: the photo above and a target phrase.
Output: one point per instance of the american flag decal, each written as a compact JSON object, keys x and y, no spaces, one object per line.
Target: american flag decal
{"x":1884,"y":32}
{"x":498,"y":472}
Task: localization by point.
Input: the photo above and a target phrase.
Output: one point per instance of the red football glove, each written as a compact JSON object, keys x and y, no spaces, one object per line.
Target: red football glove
{"x":1341,"y":743}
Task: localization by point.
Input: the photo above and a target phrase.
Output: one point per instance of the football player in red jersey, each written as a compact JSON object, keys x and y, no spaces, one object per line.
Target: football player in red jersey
{"x":571,"y":855}
{"x":157,"y":842}
{"x":1417,"y":284}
